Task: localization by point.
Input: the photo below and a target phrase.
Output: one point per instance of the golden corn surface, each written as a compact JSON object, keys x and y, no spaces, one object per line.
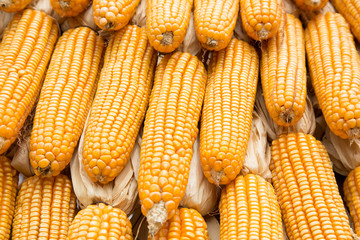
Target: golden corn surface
{"x":13,"y":5}
{"x":8,"y":190}
{"x":25,"y":52}
{"x":249,"y":210}
{"x":170,"y":130}
{"x":306,"y":189}
{"x":100,"y":222}
{"x":227,"y":113}
{"x":167,"y":22}
{"x":311,"y":5}
{"x":215,"y":22}
{"x":334,"y":67}
{"x":352,"y":197}
{"x":65,"y":100}
{"x":283,"y":73}
{"x":120,"y":103}
{"x":44,"y":210}
{"x":69,"y":8}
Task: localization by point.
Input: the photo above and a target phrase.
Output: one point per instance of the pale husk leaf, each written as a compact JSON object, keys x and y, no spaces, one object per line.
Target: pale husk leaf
{"x":191,"y":44}
{"x":344,"y":153}
{"x":5,"y":18}
{"x":290,"y":7}
{"x":258,"y":155}
{"x":239,"y":32}
{"x":45,"y":6}
{"x":139,"y":17}
{"x":200,"y":194}
{"x":213,"y":227}
{"x":84,"y":19}
{"x":21,"y":161}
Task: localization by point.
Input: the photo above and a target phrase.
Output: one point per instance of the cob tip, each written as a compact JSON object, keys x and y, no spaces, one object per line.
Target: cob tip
{"x":65,"y":5}
{"x":167,"y":38}
{"x":216,"y":176}
{"x":287,"y":116}
{"x":314,"y":3}
{"x":156,"y":217}
{"x":211,"y":42}
{"x":354,"y":132}
{"x":5,"y":3}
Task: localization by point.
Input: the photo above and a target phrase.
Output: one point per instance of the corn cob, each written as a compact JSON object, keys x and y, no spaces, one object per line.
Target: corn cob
{"x":8,"y":189}
{"x":65,"y":100}
{"x":120,"y":103}
{"x":335,"y":72}
{"x":24,"y":55}
{"x":100,"y":222}
{"x":306,"y":189}
{"x":69,"y":8}
{"x":113,"y":15}
{"x":283,"y":73}
{"x":13,"y":5}
{"x":352,"y":197}
{"x":167,"y":22}
{"x":262,"y":19}
{"x":45,"y":208}
{"x":170,"y":131}
{"x":350,"y":10}
{"x":249,"y":210}
{"x":215,"y":22}
{"x":187,"y":223}
{"x":311,"y":5}
{"x":227,"y":114}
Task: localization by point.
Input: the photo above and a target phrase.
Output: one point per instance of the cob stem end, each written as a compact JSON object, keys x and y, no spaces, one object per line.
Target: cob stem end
{"x":211,"y":42}
{"x":263,"y":33}
{"x":156,"y":217}
{"x":64,"y":4}
{"x":287,"y":116}
{"x":167,"y":38}
{"x":5,"y":3}
{"x":354,"y":132}
{"x":216,"y":176}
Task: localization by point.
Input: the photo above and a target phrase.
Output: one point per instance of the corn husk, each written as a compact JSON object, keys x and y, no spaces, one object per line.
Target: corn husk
{"x":5,"y":18}
{"x":83,"y":19}
{"x":139,"y":17}
{"x":191,"y":44}
{"x":200,"y":194}
{"x":239,"y":32}
{"x":258,"y":155}
{"x":306,"y":16}
{"x":213,"y":227}
{"x":290,"y":7}
{"x":306,"y":124}
{"x":45,"y":6}
{"x":121,"y":193}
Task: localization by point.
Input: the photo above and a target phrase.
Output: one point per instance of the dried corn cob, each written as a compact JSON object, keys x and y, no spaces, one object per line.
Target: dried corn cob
{"x":113,"y":15}
{"x":13,"y":5}
{"x":24,"y":55}
{"x":170,"y":131}
{"x":227,"y":114}
{"x":8,"y":189}
{"x":249,"y":210}
{"x":120,"y":104}
{"x":335,"y":72}
{"x":65,"y":100}
{"x":215,"y":22}
{"x":311,"y":5}
{"x":283,"y":73}
{"x":187,"y":223}
{"x":167,"y":22}
{"x":45,"y":208}
{"x":352,"y":197}
{"x":100,"y":222}
{"x":69,"y":8}
{"x":262,"y":19}
{"x":306,"y":188}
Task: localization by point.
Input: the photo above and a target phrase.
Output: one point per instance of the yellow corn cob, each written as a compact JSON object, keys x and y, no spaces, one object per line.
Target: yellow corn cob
{"x":69,"y":8}
{"x":120,"y":103}
{"x":167,"y":22}
{"x":283,"y":73}
{"x":215,"y":22}
{"x":335,"y":72}
{"x":45,"y":208}
{"x":25,"y":51}
{"x":227,"y":114}
{"x":100,"y":222}
{"x":249,"y":210}
{"x":8,"y":189}
{"x":113,"y":15}
{"x":262,"y":19}
{"x":352,"y":197}
{"x":311,"y":5}
{"x":13,"y":5}
{"x":170,"y":131}
{"x":65,"y":100}
{"x":350,"y":10}
{"x":306,"y":189}
{"x":187,"y":224}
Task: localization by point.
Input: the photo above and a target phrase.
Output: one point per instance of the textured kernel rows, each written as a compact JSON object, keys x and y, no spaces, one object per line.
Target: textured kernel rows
{"x":352,"y":197}
{"x":69,"y":8}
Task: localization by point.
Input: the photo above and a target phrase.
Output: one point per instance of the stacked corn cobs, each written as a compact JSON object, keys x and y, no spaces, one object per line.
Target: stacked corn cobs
{"x":143,"y":81}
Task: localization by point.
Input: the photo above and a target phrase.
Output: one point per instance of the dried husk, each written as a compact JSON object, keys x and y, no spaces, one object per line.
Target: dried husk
{"x":139,"y":17}
{"x":306,"y":16}
{"x":45,"y":6}
{"x":213,"y":227}
{"x":191,"y":44}
{"x":290,"y":7}
{"x":258,"y":154}
{"x":239,"y":32}
{"x":5,"y":18}
{"x":84,"y":19}
{"x":200,"y":194}
{"x":21,"y":161}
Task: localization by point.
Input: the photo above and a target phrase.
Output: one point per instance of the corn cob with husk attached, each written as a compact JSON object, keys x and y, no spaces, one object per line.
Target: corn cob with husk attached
{"x":100,"y":222}
{"x":187,"y":223}
{"x":215,"y":22}
{"x":306,"y":189}
{"x":352,"y":197}
{"x":170,"y":131}
{"x":335,"y":72}
{"x":227,"y":114}
{"x":45,"y":208}
{"x":65,"y":100}
{"x":25,"y":52}
{"x":69,"y":8}
{"x":8,"y":189}
{"x":167,"y":22}
{"x":283,"y":73}
{"x":249,"y":210}
{"x":311,"y":5}
{"x":120,"y":103}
